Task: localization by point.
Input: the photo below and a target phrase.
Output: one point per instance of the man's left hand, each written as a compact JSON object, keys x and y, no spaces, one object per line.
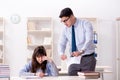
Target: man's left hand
{"x":75,"y":53}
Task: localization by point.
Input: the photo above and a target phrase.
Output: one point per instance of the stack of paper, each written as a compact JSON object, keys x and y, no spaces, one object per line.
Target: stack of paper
{"x":47,"y":41}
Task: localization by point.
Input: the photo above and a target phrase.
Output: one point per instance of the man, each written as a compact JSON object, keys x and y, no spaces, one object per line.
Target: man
{"x":82,"y":44}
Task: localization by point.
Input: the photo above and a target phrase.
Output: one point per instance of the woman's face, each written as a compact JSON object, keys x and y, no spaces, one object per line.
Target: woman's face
{"x":40,"y":59}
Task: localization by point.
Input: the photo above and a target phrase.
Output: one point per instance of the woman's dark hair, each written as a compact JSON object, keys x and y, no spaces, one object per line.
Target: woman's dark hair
{"x":39,"y":51}
{"x":66,"y":12}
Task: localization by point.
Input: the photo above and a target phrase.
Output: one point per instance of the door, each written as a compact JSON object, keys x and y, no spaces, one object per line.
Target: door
{"x":118,"y":49}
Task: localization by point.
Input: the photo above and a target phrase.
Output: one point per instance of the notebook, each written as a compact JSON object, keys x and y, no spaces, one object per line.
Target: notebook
{"x":30,"y":77}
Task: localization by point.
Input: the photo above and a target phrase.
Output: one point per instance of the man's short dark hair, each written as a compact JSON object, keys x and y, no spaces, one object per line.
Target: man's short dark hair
{"x":66,"y":12}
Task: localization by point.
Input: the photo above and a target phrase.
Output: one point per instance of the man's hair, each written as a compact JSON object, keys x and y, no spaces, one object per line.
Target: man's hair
{"x":66,"y":12}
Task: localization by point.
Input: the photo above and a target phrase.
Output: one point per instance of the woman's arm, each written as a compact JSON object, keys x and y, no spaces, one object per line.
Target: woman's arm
{"x":52,"y":70}
{"x":25,"y":71}
{"x":51,"y":67}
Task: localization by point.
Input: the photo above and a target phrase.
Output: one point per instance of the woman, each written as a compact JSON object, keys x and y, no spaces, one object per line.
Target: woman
{"x":40,"y":65}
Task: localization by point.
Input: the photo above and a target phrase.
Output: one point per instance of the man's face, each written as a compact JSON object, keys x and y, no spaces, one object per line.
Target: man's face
{"x":67,"y":21}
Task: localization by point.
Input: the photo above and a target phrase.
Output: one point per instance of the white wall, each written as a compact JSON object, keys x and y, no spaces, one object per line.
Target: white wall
{"x":15,"y":34}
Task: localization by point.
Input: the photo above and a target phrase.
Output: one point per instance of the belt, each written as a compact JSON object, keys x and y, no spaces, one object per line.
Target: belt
{"x":92,"y":54}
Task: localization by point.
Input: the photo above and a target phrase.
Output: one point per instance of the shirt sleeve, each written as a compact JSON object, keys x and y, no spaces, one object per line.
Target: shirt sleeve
{"x":62,"y":43}
{"x":88,"y":35}
{"x":52,"y":69}
{"x":25,"y":71}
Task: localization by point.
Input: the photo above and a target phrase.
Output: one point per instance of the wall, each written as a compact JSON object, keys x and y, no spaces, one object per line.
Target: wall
{"x":15,"y":34}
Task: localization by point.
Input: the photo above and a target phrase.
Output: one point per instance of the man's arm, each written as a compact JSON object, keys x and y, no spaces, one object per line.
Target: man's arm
{"x":62,"y":46}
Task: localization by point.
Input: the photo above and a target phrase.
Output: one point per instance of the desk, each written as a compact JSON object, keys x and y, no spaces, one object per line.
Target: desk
{"x":53,"y":78}
{"x":4,"y":78}
{"x":101,"y":69}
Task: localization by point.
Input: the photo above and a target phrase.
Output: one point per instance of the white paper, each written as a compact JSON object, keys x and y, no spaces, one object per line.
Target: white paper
{"x":47,"y":40}
{"x":73,"y":60}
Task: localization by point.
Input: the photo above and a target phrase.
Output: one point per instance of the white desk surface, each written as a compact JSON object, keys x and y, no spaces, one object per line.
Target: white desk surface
{"x":51,"y":78}
{"x":63,"y":77}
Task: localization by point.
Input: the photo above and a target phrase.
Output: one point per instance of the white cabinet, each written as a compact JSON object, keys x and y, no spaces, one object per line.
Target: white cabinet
{"x":39,"y":32}
{"x":1,"y":40}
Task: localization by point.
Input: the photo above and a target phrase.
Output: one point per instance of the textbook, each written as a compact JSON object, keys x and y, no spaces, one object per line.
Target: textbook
{"x":89,"y":73}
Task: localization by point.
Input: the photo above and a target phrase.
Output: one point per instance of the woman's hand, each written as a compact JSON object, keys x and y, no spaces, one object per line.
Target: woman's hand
{"x":47,"y":58}
{"x":40,"y":74}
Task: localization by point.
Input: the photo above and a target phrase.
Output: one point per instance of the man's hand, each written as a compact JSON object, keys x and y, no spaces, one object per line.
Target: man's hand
{"x":77,"y":53}
{"x":63,"y":57}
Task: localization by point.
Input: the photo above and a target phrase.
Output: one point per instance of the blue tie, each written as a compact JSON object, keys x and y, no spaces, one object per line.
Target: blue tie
{"x":73,"y":39}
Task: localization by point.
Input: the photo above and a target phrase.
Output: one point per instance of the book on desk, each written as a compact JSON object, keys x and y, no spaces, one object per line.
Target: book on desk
{"x":89,"y":74}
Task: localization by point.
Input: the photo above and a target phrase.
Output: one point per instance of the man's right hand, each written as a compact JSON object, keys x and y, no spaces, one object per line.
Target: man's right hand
{"x":63,"y":57}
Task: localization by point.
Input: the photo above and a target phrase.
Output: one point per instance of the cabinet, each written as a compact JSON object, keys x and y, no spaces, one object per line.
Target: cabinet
{"x":1,"y":40}
{"x":39,"y":32}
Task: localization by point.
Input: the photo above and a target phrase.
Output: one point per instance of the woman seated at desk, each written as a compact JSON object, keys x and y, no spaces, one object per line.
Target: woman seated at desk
{"x":40,"y":65}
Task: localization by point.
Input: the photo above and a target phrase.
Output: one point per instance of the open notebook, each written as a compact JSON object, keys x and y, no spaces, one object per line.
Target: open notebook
{"x":30,"y":77}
